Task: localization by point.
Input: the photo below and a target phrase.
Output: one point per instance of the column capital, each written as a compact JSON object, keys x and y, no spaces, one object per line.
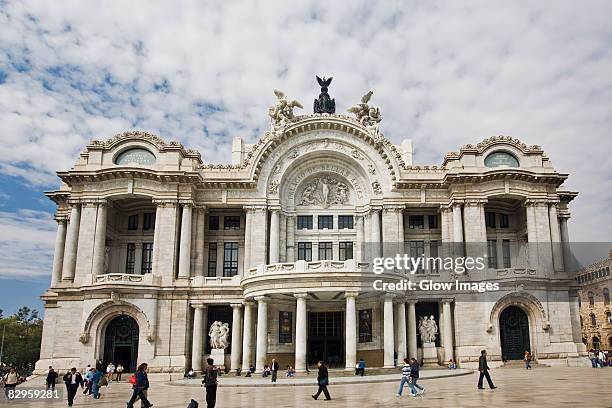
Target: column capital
{"x":61,"y":218}
{"x":447,"y":300}
{"x":389,"y":296}
{"x":198,"y":305}
{"x":375,"y":209}
{"x":254,"y":208}
{"x":351,"y":294}
{"x":261,"y":299}
{"x":456,"y":203}
{"x":394,"y":208}
{"x":300,"y":295}
{"x":535,"y":202}
{"x":165,"y":202}
{"x":247,"y":303}
{"x":476,"y":202}
{"x":73,"y":202}
{"x":412,"y":301}
{"x":236,"y":305}
{"x":186,"y":203}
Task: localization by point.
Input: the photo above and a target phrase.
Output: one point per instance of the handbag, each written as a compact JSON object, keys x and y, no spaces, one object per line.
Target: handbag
{"x":103,"y":382}
{"x":133,"y":380}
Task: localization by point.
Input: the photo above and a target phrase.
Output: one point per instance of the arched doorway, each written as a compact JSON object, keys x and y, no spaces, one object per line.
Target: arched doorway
{"x":121,"y":342}
{"x":514,"y":333}
{"x":596,"y":343}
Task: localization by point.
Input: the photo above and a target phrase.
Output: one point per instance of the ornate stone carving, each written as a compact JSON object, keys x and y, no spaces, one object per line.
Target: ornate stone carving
{"x":219,"y":335}
{"x":325,"y":191}
{"x":357,"y":154}
{"x":294,"y":154}
{"x":376,"y":187}
{"x":84,"y":338}
{"x":368,"y":116}
{"x":324,"y":104}
{"x":428,"y":329}
{"x":282,"y":113}
{"x":371,"y":169}
{"x":273,"y":187}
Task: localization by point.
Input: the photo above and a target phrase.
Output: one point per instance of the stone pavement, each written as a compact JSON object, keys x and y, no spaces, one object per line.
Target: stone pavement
{"x":541,"y":387}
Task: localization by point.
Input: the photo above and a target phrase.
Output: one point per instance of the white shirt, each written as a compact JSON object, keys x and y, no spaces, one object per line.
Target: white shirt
{"x":74,"y":379}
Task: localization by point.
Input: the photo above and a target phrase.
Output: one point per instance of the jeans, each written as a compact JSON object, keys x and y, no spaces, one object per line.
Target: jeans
{"x":403,"y":381}
{"x":211,"y":396}
{"x":527,"y":365}
{"x":485,"y":373}
{"x":594,"y":362}
{"x":95,"y":389}
{"x":138,"y":393}
{"x":274,"y":375}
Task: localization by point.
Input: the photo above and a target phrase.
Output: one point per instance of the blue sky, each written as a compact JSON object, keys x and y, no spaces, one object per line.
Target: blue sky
{"x":443,"y":73}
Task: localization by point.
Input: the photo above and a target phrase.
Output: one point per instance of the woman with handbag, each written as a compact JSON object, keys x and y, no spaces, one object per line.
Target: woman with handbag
{"x":323,"y":381}
{"x":141,"y":385}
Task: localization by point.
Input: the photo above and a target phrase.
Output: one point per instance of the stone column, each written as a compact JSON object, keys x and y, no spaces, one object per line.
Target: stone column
{"x":185,"y":245}
{"x":389,"y":346}
{"x":457,"y":230}
{"x":199,"y":242}
{"x":262,"y":333}
{"x":259,"y":241}
{"x":532,"y":248}
{"x":165,"y":240}
{"x":555,"y":237}
{"x":291,"y":238}
{"x":274,"y":236}
{"x":400,"y":312}
{"x":247,"y":338}
{"x":412,"y":329}
{"x":58,"y":253}
{"x":72,"y":238}
{"x":376,"y":241}
{"x":446,"y":217}
{"x":300,"y":332}
{"x":351,"y":330}
{"x":565,"y":247}
{"x":247,"y":239}
{"x":400,"y":230}
{"x":158,"y":212}
{"x":100,"y":240}
{"x":236,"y":336}
{"x":447,"y":330}
{"x":198,"y":333}
{"x":359,"y":253}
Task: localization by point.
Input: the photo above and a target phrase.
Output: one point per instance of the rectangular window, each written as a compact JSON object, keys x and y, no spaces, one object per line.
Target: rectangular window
{"x":345,"y":222}
{"x":285,"y":323}
{"x":305,"y":251}
{"x":490,"y":219}
{"x":147,"y":258}
{"x":326,"y":221}
{"x":325,"y":251}
{"x":231,"y":222}
{"x":415,"y":222}
{"x":506,"y":252}
{"x":492,"y":253}
{"x":346,"y":250}
{"x":133,"y":222}
{"x":504,"y":221}
{"x":213,"y":222}
{"x":230,"y":259}
{"x":417,"y":249}
{"x":433,"y":253}
{"x":148,"y":221}
{"x":212,"y":259}
{"x":304,"y":222}
{"x":432,"y":221}
{"x":365,"y":326}
{"x":131,"y":258}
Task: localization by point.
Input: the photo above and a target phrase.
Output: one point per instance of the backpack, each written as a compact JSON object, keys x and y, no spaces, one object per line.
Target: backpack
{"x":103,"y":382}
{"x":133,"y":380}
{"x":193,"y":404}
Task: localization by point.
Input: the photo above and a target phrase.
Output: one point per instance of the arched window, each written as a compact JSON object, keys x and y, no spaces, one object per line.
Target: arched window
{"x":606,"y":294}
{"x":593,"y":320}
{"x":591,"y":299}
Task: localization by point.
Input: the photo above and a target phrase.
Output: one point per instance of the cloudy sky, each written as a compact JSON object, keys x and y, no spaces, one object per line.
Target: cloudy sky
{"x":444,"y":74}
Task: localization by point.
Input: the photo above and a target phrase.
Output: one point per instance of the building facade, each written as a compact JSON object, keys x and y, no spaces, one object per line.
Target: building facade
{"x":153,"y":246}
{"x":595,"y":311}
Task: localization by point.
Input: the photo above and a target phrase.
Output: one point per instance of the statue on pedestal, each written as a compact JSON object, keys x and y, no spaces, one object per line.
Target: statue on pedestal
{"x":428,"y":329}
{"x":219,"y":335}
{"x":324,"y":104}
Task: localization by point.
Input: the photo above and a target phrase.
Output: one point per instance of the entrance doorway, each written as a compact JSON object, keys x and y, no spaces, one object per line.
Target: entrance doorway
{"x":326,"y":338}
{"x":121,"y":343}
{"x":514,"y":333}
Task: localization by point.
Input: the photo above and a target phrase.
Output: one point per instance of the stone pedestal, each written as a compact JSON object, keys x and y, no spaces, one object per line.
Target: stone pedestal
{"x":430,"y":355}
{"x":218,"y":356}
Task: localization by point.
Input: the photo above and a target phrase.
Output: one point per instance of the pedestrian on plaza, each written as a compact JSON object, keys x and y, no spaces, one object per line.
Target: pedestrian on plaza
{"x":405,"y":377}
{"x":51,"y":378}
{"x":110,"y":369}
{"x":322,"y":381}
{"x":414,"y":377}
{"x":360,"y":369}
{"x":140,"y":387}
{"x":593,"y":358}
{"x":601,"y":358}
{"x":11,"y":379}
{"x":72,"y":380}
{"x":120,"y":370}
{"x":274,"y":367}
{"x":527,"y":360}
{"x":88,"y":380}
{"x":96,"y":380}
{"x":211,"y":373}
{"x":483,"y":368}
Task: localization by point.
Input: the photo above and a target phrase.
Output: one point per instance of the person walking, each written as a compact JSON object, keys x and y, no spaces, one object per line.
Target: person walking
{"x":211,"y":373}
{"x":483,"y":368}
{"x":110,"y":369}
{"x":601,"y":357}
{"x":593,"y":358}
{"x":414,"y":377}
{"x":72,"y":380}
{"x":96,"y":379}
{"x":119,"y":371}
{"x":142,"y":384}
{"x":88,"y":380}
{"x":527,"y":360}
{"x":11,"y":379}
{"x":274,"y":367}
{"x":322,"y":381}
{"x":51,"y":379}
{"x":405,"y":377}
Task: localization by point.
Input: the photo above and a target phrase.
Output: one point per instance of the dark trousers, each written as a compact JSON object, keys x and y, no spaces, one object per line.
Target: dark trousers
{"x":211,"y":396}
{"x":71,"y":390}
{"x":138,"y":393}
{"x":51,"y":385}
{"x":485,"y":373}
{"x":324,"y":389}
{"x":119,"y":376}
{"x":360,"y":371}
{"x":274,"y":375}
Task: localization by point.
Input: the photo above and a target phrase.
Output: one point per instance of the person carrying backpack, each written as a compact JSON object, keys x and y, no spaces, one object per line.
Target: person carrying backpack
{"x":211,"y":373}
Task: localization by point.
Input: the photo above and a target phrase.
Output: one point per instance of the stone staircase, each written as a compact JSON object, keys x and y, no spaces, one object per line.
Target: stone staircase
{"x":521,"y":364}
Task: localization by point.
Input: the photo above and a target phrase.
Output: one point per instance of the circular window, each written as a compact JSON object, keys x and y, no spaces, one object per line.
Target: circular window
{"x":498,"y":159}
{"x":136,"y":156}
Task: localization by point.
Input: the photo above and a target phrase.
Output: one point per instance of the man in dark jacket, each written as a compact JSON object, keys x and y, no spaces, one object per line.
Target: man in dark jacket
{"x":274,"y":367}
{"x":211,"y":373}
{"x":483,"y":368}
{"x":72,"y":380}
{"x":323,"y":381}
{"x":51,"y":378}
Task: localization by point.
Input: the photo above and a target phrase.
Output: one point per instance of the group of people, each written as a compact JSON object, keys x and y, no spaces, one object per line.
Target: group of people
{"x":11,"y":380}
{"x":114,"y":372}
{"x":599,"y":358}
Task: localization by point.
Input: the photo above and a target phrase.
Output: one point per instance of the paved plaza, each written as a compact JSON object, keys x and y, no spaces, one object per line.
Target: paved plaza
{"x":540,"y":387}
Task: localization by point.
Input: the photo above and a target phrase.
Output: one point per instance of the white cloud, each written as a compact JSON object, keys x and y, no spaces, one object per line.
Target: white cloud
{"x":444,"y":74}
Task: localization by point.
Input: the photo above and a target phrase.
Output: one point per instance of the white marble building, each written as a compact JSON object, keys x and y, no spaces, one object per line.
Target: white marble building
{"x":153,"y":245}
